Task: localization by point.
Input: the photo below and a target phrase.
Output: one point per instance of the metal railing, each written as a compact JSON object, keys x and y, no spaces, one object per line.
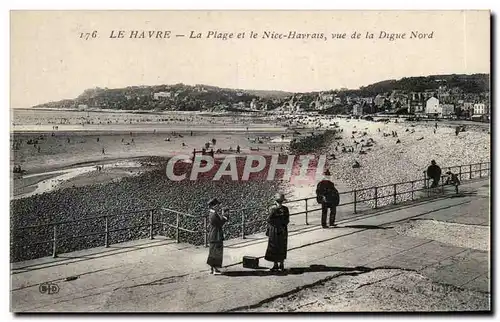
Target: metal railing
{"x":161,"y":220}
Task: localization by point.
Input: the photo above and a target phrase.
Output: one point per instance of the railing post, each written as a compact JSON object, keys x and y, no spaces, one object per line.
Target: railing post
{"x":177,"y":228}
{"x":106,"y":232}
{"x":395,"y":194}
{"x":205,"y":230}
{"x":54,"y":243}
{"x":355,"y":200}
{"x":243,"y":225}
{"x":480,"y":170}
{"x":376,"y":197}
{"x":460,"y":173}
{"x":470,"y":171}
{"x":151,"y":224}
{"x":307,"y":213}
{"x":412,"y":190}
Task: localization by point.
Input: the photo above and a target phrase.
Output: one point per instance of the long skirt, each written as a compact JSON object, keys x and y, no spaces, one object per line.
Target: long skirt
{"x":277,"y":246}
{"x":215,"y":253}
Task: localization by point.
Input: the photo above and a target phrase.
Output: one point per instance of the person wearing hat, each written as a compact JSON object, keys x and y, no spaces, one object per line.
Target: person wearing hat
{"x":277,"y":231}
{"x":434,"y":173}
{"x":328,"y":196}
{"x":452,"y":179}
{"x":215,"y":236}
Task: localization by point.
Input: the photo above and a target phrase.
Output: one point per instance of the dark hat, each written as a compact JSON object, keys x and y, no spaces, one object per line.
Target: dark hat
{"x":433,"y":161}
{"x":213,"y":202}
{"x":279,"y":197}
{"x":327,"y":173}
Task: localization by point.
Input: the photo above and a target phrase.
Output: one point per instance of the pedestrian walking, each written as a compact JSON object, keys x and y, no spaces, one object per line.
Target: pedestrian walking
{"x":328,"y":196}
{"x":215,"y":236}
{"x":277,"y":232}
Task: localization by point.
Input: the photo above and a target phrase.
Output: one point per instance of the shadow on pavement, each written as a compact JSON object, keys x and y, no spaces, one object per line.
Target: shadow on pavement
{"x":300,"y":270}
{"x":363,"y":227}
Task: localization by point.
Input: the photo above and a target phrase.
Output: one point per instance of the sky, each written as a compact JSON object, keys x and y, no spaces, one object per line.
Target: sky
{"x":50,"y":61}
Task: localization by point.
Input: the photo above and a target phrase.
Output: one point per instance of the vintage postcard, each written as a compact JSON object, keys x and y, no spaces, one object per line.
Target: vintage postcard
{"x":250,"y":161}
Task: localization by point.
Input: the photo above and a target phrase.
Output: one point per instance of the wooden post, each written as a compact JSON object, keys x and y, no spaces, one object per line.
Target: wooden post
{"x":376,"y":197}
{"x":412,"y":189}
{"x":106,"y":232}
{"x":54,"y":243}
{"x":177,"y":229}
{"x":243,"y":224}
{"x":460,"y":173}
{"x":395,"y":194}
{"x":206,"y":230}
{"x":151,"y":224}
{"x":307,"y":213}
{"x":470,"y":171}
{"x":480,"y":170}
{"x":355,"y":200}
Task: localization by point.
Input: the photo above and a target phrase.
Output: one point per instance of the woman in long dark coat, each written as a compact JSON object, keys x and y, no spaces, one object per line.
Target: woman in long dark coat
{"x":215,"y":237}
{"x":278,"y":220}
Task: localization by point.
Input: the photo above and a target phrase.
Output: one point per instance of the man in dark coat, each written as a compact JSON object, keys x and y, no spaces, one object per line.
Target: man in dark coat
{"x":215,"y":237}
{"x":277,"y":231}
{"x":434,"y":172}
{"x":328,"y":196}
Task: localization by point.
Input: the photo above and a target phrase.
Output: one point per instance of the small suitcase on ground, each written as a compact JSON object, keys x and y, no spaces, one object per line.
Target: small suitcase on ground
{"x":250,"y":262}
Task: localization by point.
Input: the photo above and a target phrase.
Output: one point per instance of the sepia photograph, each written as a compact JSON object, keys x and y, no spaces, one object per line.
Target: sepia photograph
{"x":250,"y":161}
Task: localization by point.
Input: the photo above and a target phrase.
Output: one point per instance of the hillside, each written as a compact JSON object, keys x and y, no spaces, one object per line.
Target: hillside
{"x":211,"y":98}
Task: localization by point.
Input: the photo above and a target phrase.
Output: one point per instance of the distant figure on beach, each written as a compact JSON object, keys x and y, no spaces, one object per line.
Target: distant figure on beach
{"x":214,"y":141}
{"x":97,"y":139}
{"x":457,"y":130}
{"x":434,"y":173}
{"x":238,"y":149}
{"x":452,"y":179}
{"x":277,"y":231}
{"x":38,"y":149}
{"x":69,"y":140}
{"x":215,"y":236}
{"x":356,"y":165}
{"x":103,"y":151}
{"x":435,"y":125}
{"x":434,"y":131}
{"x":328,"y":196}
{"x":191,"y":133}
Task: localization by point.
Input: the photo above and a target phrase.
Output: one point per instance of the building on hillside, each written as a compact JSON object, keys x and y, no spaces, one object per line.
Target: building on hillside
{"x":480,"y":109}
{"x":160,"y":95}
{"x":447,"y":110}
{"x":379,"y":100}
{"x":357,"y":109}
{"x":432,"y":107}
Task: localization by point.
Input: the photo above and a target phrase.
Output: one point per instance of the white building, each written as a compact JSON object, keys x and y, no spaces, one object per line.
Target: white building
{"x":480,"y":109}
{"x":158,"y":95}
{"x":432,"y":106}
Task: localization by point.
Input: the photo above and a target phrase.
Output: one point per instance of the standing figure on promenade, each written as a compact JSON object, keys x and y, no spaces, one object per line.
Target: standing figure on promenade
{"x":453,"y":180}
{"x":434,"y":173}
{"x":328,"y":196}
{"x":277,"y":231}
{"x":215,"y":236}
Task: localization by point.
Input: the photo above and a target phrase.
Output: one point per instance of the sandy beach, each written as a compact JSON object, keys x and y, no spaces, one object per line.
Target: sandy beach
{"x":61,"y":173}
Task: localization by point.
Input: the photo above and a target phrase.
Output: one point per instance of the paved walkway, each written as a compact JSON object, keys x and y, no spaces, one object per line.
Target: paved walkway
{"x":160,"y":275}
